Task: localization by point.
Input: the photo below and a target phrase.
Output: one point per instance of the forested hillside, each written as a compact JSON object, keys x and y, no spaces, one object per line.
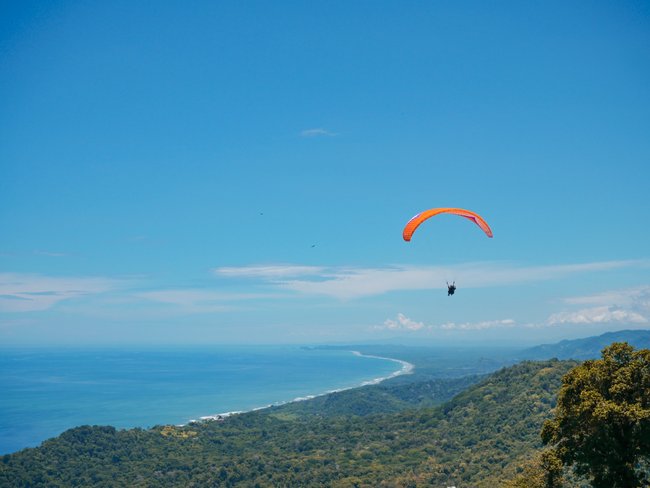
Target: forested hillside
{"x":477,"y":439}
{"x":388,"y":397}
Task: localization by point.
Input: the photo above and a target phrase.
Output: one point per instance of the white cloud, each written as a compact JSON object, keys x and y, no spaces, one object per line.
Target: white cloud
{"x":497,"y":274}
{"x":630,"y":305}
{"x":272,"y":271}
{"x":639,"y":296}
{"x":317,"y":132}
{"x":597,"y":315}
{"x":346,"y":283}
{"x":486,"y":324}
{"x":31,"y":292}
{"x":402,"y":323}
{"x":199,"y":300}
{"x":349,"y":282}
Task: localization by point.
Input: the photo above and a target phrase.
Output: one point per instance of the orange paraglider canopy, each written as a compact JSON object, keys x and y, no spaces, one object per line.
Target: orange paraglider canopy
{"x":415,"y":222}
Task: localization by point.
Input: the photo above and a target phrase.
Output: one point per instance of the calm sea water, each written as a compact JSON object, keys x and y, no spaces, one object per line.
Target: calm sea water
{"x":44,"y":392}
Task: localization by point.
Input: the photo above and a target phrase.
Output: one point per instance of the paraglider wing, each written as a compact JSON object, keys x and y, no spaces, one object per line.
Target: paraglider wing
{"x":415,"y":222}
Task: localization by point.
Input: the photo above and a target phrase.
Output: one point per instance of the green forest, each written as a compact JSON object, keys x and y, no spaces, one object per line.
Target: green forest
{"x":477,"y":430}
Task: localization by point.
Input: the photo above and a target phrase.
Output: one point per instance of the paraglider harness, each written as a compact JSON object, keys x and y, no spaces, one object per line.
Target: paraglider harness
{"x":451,"y":288}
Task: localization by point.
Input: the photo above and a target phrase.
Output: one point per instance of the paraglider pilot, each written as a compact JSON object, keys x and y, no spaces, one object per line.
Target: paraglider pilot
{"x":451,"y":288}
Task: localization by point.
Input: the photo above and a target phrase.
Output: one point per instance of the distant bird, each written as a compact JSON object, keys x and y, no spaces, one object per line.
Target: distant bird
{"x":313,"y":245}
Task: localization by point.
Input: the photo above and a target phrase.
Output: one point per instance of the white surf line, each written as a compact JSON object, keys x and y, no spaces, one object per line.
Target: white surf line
{"x":407,"y":368}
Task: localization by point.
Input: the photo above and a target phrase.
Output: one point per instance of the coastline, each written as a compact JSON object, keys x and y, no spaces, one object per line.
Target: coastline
{"x":406,"y":368}
{"x":51,"y":373}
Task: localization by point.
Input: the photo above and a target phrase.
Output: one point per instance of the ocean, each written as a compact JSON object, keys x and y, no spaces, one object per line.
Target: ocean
{"x":47,"y":391}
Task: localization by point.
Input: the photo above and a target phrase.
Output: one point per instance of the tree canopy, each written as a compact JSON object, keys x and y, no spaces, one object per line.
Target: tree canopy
{"x":602,"y":420}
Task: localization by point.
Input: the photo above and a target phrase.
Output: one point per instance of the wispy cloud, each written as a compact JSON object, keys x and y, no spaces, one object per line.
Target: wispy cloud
{"x":50,"y":254}
{"x":199,"y":300}
{"x":346,"y":283}
{"x":637,"y":296}
{"x":630,"y":305}
{"x":626,"y":306}
{"x":402,"y":323}
{"x":597,"y":315}
{"x":32,"y":292}
{"x":350,"y":282}
{"x":482,"y":325}
{"x":405,"y":324}
{"x":317,"y":132}
{"x":271,"y":271}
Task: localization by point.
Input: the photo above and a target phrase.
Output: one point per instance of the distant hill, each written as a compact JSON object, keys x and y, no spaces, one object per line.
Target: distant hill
{"x":387,"y":397}
{"x":588,"y":348}
{"x":480,"y":438}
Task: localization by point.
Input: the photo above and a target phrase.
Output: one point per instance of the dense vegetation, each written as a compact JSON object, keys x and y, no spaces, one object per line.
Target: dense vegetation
{"x":388,"y":397}
{"x":480,"y":438}
{"x":602,"y":421}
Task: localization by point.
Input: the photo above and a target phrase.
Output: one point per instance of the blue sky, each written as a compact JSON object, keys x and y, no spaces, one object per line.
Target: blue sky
{"x":237,"y":172}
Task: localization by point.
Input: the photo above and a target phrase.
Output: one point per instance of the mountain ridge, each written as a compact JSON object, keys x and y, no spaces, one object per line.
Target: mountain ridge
{"x":587,"y":347}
